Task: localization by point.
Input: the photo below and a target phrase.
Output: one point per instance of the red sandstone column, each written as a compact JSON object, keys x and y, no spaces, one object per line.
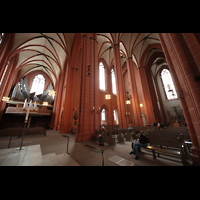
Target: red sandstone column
{"x":162,"y":110}
{"x":121,"y":99}
{"x":180,"y":81}
{"x":59,"y":103}
{"x":68,"y":113}
{"x":67,"y":117}
{"x":111,"y":114}
{"x":95,"y":72}
{"x":147,"y":98}
{"x":87,"y":98}
{"x":135,"y":99}
{"x":192,"y":85}
{"x":5,"y":49}
{"x":194,"y":47}
{"x":156,"y":110}
{"x":7,"y":82}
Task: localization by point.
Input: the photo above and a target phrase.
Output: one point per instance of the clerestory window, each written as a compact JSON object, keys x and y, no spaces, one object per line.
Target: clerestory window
{"x":1,"y":37}
{"x":169,"y":87}
{"x":102,"y":85}
{"x":114,"y":91}
{"x":38,"y":84}
{"x":4,"y":73}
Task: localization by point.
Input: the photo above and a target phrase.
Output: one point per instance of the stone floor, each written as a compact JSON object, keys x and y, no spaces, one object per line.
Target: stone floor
{"x":32,"y":156}
{"x":53,"y":149}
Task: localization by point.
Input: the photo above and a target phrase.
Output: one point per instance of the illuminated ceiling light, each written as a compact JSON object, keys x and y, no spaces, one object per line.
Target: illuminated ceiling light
{"x":141,"y":105}
{"x":128,"y":102}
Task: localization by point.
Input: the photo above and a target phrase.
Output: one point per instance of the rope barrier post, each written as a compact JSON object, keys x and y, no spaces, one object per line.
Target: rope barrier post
{"x":67,"y":144}
{"x":25,"y":122}
{"x":102,"y":163}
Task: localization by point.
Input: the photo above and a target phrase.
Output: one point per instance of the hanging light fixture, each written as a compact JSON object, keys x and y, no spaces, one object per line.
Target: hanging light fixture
{"x":45,"y":103}
{"x":52,"y":93}
{"x":108,"y":96}
{"x":6,"y":99}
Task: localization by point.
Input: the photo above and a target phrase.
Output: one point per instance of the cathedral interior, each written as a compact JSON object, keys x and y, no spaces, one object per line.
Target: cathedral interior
{"x":77,"y":82}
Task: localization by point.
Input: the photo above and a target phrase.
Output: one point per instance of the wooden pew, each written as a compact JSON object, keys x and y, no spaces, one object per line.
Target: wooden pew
{"x":110,"y":140}
{"x":169,"y":141}
{"x":127,"y":136}
{"x":120,"y":138}
{"x":112,"y":132}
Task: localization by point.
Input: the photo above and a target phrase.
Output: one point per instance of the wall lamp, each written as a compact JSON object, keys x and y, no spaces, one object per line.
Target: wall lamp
{"x":88,"y":70}
{"x":52,"y":93}
{"x":107,"y":96}
{"x":6,"y":99}
{"x":75,"y":68}
{"x":99,"y":111}
{"x":92,"y":110}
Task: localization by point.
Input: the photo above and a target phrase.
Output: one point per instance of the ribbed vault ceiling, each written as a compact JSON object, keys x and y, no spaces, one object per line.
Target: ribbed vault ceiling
{"x":48,"y":51}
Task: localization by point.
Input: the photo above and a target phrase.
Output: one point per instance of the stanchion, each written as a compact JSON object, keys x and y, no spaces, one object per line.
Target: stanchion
{"x":25,"y":122}
{"x":67,"y":144}
{"x":102,"y":160}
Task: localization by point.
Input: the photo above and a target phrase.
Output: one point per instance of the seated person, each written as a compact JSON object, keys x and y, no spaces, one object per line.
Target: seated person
{"x":102,"y":136}
{"x":141,"y":142}
{"x":130,"y":128}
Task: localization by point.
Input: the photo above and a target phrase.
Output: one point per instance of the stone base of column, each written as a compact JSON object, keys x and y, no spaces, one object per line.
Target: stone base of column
{"x":196,"y":156}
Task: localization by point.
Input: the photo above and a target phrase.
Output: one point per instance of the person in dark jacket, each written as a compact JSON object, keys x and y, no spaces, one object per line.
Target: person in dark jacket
{"x":141,"y":142}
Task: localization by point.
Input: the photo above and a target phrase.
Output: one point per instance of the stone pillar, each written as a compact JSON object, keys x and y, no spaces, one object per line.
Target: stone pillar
{"x":69,"y":85}
{"x":58,"y":102}
{"x":88,"y":119}
{"x":135,"y":100}
{"x":5,"y":49}
{"x":95,"y":78}
{"x":194,"y":47}
{"x":183,"y":79}
{"x":147,"y":98}
{"x":121,"y":99}
{"x":7,"y":82}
